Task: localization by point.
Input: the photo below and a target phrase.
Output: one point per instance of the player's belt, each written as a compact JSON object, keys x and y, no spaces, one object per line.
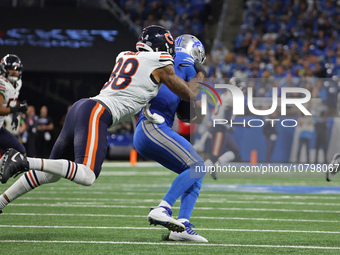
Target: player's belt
{"x":103,"y":104}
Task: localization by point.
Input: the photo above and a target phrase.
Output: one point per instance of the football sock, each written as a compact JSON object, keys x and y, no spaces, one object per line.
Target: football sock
{"x":188,"y":200}
{"x":214,"y":158}
{"x":164,"y":204}
{"x":24,"y":184}
{"x":182,"y":183}
{"x":3,"y":201}
{"x":35,"y":163}
{"x":208,"y":163}
{"x":77,"y":173}
{"x":226,"y":157}
{"x":182,"y":220}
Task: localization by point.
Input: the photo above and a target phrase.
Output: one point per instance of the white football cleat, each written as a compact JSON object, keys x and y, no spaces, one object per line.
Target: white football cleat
{"x":188,"y":235}
{"x":161,"y":215}
{"x":331,"y":171}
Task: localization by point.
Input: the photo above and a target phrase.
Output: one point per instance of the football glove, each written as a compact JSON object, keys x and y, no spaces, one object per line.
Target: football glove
{"x":21,"y":107}
{"x":200,"y":68}
{"x":15,"y":121}
{"x":152,"y":117}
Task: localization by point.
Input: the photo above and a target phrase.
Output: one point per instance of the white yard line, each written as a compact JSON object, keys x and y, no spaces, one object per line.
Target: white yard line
{"x":202,"y":194}
{"x":144,"y":216}
{"x":136,"y":200}
{"x":84,"y":204}
{"x":134,"y":173}
{"x":159,"y":228}
{"x":128,"y":164}
{"x":173,"y":243}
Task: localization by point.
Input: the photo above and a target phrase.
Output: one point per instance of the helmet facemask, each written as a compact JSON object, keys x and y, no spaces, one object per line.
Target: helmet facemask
{"x":11,"y":62}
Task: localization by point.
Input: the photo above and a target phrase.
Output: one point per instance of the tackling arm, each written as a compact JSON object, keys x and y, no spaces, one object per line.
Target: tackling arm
{"x":198,"y":105}
{"x":185,"y":90}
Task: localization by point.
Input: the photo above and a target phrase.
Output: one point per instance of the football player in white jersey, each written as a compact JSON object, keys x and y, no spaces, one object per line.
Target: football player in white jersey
{"x":221,"y":134}
{"x":81,"y":147}
{"x":10,"y":85}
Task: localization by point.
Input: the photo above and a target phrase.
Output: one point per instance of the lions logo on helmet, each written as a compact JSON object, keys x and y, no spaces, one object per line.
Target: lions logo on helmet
{"x":156,"y":38}
{"x":11,"y":62}
{"x":191,"y":45}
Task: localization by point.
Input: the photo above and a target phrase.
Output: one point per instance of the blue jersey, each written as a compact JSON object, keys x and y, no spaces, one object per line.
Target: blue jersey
{"x":166,"y":102}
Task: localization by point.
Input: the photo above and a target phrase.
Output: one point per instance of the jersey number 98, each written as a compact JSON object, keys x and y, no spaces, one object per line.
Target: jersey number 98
{"x":121,"y":76}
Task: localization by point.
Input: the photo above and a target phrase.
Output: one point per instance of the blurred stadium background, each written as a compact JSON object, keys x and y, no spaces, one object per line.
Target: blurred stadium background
{"x":68,"y":48}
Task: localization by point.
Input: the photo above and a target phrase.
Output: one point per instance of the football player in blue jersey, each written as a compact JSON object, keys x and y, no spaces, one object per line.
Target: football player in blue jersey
{"x":155,"y":139}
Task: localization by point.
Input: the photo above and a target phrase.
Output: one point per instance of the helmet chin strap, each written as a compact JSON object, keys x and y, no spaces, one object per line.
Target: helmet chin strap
{"x":12,"y":78}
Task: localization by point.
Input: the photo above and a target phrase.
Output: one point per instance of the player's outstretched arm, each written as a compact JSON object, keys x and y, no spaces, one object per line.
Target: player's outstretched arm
{"x":186,"y":91}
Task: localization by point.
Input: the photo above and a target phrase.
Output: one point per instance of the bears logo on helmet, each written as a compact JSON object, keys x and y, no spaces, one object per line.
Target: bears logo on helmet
{"x":156,"y":38}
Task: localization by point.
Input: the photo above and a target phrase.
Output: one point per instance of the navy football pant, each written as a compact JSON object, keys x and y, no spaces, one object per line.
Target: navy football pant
{"x":83,"y":138}
{"x":221,"y":141}
{"x":8,"y":140}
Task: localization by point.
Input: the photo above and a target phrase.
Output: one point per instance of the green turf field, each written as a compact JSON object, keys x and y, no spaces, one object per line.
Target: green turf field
{"x":110,"y":217}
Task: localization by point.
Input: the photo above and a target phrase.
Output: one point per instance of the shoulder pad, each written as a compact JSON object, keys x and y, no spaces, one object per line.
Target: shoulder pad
{"x":183,"y":58}
{"x":2,"y":85}
{"x":164,"y":57}
{"x":158,"y":57}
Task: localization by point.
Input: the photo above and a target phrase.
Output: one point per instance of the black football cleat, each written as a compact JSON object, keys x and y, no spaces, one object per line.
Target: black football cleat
{"x":213,"y":175}
{"x":12,"y":163}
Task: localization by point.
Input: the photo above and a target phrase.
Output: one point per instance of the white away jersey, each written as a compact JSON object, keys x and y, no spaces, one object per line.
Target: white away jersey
{"x":131,"y":85}
{"x":10,"y":94}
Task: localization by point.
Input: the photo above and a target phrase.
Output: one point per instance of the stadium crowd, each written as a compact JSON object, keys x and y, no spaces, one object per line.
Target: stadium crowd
{"x":180,"y":17}
{"x":288,"y":42}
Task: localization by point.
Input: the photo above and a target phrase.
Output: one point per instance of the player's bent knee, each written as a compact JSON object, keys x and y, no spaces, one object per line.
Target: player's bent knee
{"x":85,"y":176}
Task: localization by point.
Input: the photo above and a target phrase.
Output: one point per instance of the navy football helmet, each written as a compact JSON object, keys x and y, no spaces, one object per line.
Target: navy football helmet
{"x":191,"y":45}
{"x":11,"y":62}
{"x":156,"y":38}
